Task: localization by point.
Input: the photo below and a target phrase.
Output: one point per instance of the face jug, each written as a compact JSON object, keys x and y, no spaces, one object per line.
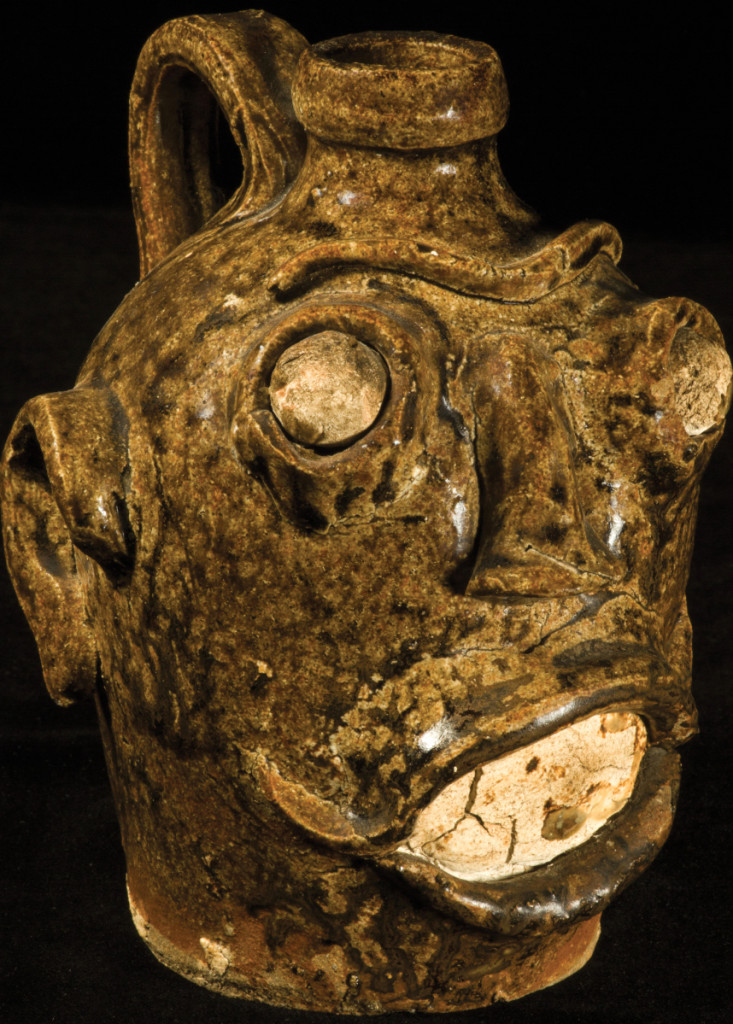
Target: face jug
{"x":367,"y":526}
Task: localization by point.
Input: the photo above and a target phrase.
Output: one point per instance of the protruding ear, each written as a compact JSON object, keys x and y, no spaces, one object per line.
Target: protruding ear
{"x":62,"y":488}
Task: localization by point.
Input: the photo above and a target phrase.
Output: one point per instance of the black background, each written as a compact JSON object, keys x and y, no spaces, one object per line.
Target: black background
{"x":619,"y":112}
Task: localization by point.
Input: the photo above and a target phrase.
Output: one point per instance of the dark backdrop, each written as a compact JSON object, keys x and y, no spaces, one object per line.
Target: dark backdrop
{"x":619,"y":112}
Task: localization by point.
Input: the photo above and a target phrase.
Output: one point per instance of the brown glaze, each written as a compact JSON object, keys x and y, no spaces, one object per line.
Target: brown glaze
{"x":300,"y":624}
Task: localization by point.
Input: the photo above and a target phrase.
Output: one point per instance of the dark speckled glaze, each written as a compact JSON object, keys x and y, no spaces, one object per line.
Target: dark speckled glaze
{"x":293,"y":649}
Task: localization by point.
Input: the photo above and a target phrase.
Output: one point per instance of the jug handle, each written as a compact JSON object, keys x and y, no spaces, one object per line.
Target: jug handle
{"x":243,"y":63}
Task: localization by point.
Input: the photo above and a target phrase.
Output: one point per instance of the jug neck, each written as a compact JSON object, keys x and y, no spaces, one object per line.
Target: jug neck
{"x":402,"y":141}
{"x":457,"y":195}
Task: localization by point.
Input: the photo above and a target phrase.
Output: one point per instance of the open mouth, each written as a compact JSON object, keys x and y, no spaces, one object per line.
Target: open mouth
{"x":547,"y":833}
{"x":535,"y":839}
{"x":524,"y":809}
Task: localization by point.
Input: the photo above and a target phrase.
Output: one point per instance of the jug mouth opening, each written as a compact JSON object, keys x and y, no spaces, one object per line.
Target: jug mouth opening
{"x":403,"y":50}
{"x":401,"y":90}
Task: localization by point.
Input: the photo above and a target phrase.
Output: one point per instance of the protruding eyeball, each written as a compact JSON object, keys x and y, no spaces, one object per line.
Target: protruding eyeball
{"x":328,"y":389}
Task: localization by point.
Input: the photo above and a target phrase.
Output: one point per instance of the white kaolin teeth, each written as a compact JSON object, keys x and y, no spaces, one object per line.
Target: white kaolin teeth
{"x":528,"y":807}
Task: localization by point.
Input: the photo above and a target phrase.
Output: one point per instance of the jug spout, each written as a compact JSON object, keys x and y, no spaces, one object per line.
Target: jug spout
{"x":401,"y":90}
{"x":402,"y":135}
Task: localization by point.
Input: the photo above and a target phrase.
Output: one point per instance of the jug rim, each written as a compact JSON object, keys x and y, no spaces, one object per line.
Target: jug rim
{"x":400,"y":90}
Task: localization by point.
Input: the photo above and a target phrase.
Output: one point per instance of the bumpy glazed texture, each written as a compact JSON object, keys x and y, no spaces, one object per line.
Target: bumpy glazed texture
{"x":371,"y":513}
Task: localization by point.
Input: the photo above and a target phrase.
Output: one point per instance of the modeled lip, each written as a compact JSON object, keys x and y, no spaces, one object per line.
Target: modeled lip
{"x":497,"y":721}
{"x":484,"y":725}
{"x":575,"y":885}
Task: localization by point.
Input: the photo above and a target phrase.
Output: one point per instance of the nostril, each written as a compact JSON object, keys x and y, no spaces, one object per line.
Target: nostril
{"x":460,"y":578}
{"x":702,"y":380}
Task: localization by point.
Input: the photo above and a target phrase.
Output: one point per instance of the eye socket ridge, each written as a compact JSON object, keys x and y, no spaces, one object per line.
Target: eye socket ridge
{"x":397,"y":341}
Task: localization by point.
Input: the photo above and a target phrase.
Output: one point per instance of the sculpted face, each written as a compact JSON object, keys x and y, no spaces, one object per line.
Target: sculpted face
{"x":368,"y":525}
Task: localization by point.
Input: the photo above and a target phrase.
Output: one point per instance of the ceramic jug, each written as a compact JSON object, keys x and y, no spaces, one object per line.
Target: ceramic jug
{"x":367,"y":526}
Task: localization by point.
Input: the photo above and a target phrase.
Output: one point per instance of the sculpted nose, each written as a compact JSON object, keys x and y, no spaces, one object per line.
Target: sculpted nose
{"x":534,"y":539}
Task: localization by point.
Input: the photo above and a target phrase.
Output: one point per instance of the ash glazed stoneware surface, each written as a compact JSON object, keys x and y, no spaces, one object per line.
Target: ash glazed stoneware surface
{"x":367,"y":526}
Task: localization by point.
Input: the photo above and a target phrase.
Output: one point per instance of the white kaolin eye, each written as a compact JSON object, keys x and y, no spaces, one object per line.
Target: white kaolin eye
{"x":328,"y":389}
